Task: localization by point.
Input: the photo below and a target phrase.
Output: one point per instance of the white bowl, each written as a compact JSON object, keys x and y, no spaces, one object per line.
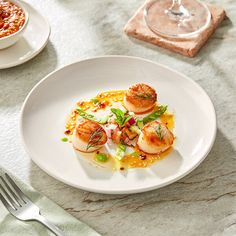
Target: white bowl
{"x":13,"y":38}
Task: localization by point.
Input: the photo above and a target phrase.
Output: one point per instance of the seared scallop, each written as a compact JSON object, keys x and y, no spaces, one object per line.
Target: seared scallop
{"x":88,"y":136}
{"x":155,"y":138}
{"x":140,"y":98}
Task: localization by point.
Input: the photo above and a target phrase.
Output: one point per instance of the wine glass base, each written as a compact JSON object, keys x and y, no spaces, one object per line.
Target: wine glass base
{"x":192,"y":18}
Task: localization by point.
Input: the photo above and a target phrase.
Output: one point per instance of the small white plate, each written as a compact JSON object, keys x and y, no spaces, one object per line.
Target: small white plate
{"x":51,"y":100}
{"x":32,"y":42}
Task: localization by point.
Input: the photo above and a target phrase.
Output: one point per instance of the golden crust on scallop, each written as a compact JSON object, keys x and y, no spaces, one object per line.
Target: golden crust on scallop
{"x":88,"y":128}
{"x":155,"y":138}
{"x":89,"y":136}
{"x":140,"y":98}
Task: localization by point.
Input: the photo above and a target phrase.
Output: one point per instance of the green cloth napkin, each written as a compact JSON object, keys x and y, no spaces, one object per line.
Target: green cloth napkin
{"x":10,"y":226}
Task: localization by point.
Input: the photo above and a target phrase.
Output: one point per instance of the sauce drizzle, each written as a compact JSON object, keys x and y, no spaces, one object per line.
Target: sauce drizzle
{"x":106,"y":99}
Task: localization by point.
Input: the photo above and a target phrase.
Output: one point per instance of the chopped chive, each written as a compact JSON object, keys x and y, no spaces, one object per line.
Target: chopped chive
{"x":134,"y":154}
{"x":155,"y":115}
{"x":101,"y":157}
{"x":120,"y":151}
{"x":88,"y":116}
{"x":64,"y":139}
{"x":94,"y":100}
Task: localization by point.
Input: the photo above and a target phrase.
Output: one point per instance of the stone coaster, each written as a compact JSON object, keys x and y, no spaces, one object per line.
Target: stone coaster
{"x":137,"y":28}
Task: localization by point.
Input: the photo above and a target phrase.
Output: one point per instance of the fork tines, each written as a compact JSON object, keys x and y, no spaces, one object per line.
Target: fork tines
{"x":10,"y":195}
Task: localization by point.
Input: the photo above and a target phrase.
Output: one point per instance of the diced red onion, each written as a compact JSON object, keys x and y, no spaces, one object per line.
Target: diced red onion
{"x":132,"y":121}
{"x":110,"y":129}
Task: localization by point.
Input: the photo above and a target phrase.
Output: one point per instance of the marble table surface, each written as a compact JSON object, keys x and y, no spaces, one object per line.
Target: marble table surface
{"x":204,"y":202}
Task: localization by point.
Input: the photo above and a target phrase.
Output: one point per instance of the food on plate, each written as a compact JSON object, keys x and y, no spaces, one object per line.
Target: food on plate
{"x":155,"y":138}
{"x":108,"y":132}
{"x":140,"y":98}
{"x":88,"y":136}
{"x":12,"y":18}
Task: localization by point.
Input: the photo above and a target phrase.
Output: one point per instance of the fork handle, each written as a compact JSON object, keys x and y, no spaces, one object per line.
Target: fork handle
{"x":49,"y":225}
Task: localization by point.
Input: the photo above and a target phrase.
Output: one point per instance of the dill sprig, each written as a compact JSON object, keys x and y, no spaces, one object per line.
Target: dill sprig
{"x":144,"y":96}
{"x":159,"y":132}
{"x":95,"y":138}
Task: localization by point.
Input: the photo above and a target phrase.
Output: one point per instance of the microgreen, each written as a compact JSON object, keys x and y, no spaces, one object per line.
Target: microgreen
{"x":121,"y":118}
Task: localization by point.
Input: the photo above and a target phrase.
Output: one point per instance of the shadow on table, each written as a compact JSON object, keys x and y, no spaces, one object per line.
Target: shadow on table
{"x":214,"y":179}
{"x":18,"y":81}
{"x":210,"y":180}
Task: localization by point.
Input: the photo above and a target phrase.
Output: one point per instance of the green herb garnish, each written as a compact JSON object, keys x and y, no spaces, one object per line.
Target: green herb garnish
{"x":135,"y":129}
{"x":140,"y":123}
{"x":154,"y":115}
{"x":159,"y":132}
{"x":88,"y":116}
{"x":101,"y":157}
{"x":64,"y":139}
{"x":120,"y":151}
{"x":134,"y":154}
{"x":95,"y":138}
{"x":94,"y":100}
{"x":121,"y":118}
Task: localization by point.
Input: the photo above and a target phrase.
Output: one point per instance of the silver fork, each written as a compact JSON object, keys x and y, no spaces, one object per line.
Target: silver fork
{"x":20,"y":206}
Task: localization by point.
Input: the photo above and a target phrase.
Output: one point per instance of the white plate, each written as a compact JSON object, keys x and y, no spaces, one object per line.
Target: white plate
{"x":47,"y":106}
{"x":33,"y":41}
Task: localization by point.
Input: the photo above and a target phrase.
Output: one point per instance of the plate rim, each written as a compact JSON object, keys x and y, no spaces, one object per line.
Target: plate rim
{"x":35,"y":53}
{"x":132,"y":190}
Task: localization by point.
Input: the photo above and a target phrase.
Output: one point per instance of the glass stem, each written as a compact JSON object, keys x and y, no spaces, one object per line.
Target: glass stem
{"x":179,"y":2}
{"x":178,"y":10}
